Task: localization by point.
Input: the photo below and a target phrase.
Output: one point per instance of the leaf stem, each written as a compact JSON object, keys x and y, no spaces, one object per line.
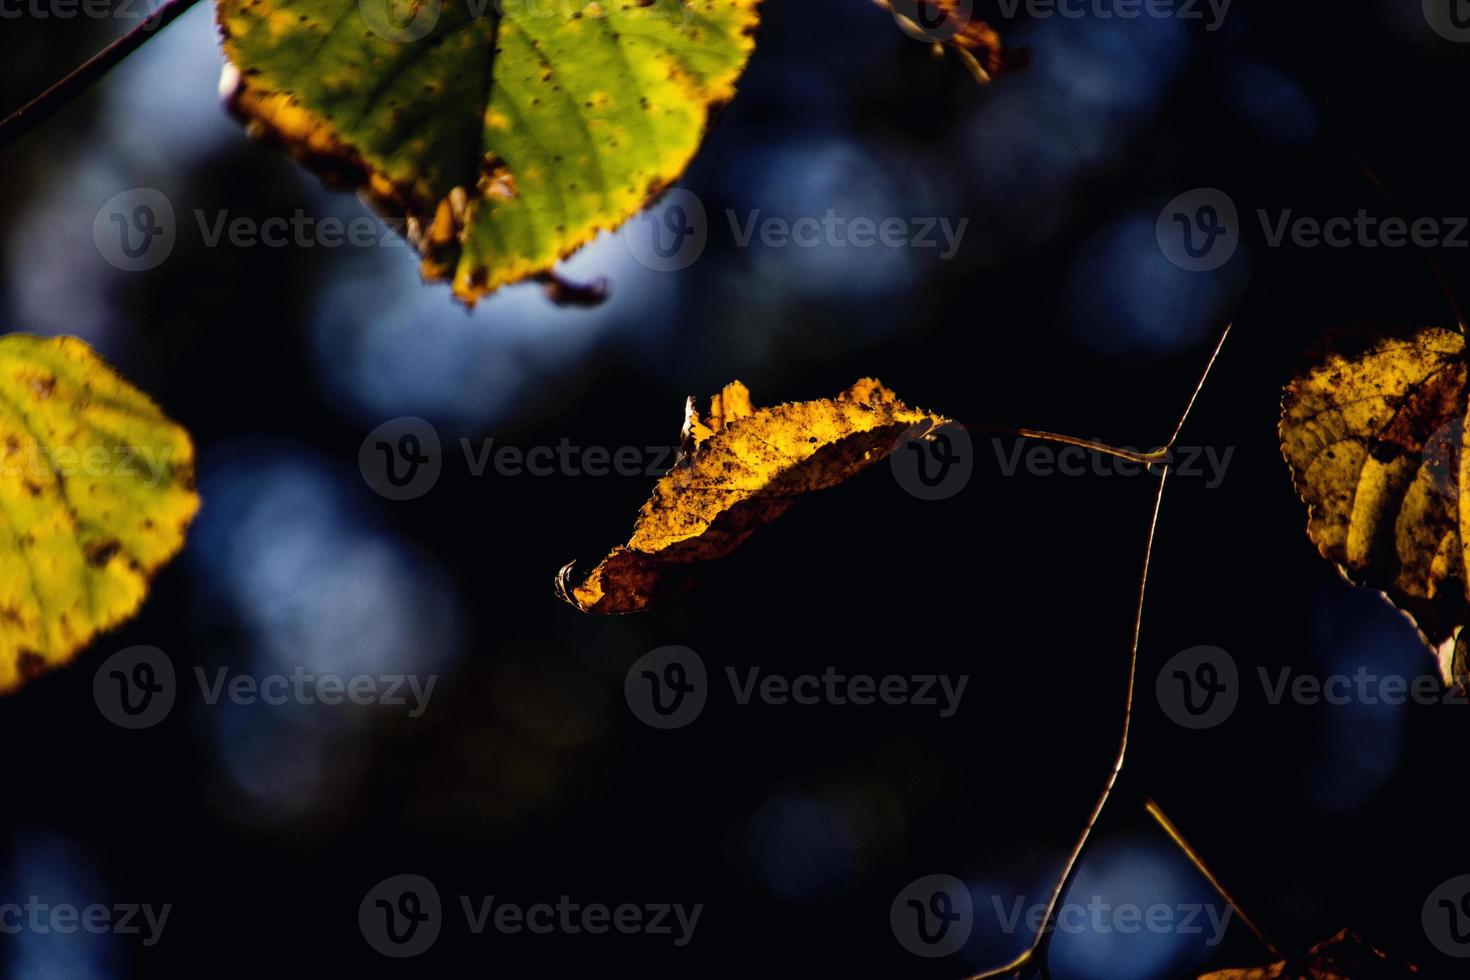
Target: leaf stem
{"x":1168,"y":826}
{"x":39,"y":109}
{"x":1035,"y":956}
{"x":1158,"y":456}
{"x":1434,"y":269}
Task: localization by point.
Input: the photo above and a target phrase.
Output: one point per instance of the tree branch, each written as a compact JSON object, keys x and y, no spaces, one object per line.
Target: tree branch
{"x":43,"y":106}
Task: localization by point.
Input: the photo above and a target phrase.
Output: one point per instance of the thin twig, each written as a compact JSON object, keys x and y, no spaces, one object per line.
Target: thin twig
{"x":1168,"y":825}
{"x":1434,"y":269}
{"x":1148,"y":459}
{"x":1154,"y":458}
{"x":1199,"y":386}
{"x":1035,"y":955}
{"x":28,"y":116}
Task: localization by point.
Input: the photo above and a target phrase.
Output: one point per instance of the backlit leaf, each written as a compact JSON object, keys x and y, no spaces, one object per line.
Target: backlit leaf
{"x":96,"y":491}
{"x":505,"y":133}
{"x":742,"y":467}
{"x":1374,"y":434}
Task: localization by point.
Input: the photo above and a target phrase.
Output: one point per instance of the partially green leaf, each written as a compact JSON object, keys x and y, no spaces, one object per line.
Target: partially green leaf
{"x":505,"y":133}
{"x":96,"y":491}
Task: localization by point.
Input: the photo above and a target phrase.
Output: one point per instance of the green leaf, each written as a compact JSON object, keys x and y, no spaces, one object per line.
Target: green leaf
{"x":96,"y":491}
{"x":506,"y":133}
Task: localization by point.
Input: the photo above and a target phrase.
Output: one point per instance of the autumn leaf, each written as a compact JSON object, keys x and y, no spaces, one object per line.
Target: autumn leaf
{"x":504,"y":133}
{"x":96,"y":491}
{"x":1343,"y":957}
{"x":1373,"y":432}
{"x":742,"y":467}
{"x":950,"y":25}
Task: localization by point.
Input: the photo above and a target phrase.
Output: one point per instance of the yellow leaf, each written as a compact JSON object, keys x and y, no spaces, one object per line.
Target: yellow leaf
{"x":96,"y":490}
{"x":742,"y":467}
{"x":1373,"y":432}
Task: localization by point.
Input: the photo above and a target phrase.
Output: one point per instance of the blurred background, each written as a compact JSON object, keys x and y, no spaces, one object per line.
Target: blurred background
{"x":528,"y":777}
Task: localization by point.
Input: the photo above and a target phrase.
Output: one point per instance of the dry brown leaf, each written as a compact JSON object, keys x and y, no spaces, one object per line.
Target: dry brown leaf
{"x":741,"y":467}
{"x":950,"y":24}
{"x":1373,"y":432}
{"x":1343,"y":957}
